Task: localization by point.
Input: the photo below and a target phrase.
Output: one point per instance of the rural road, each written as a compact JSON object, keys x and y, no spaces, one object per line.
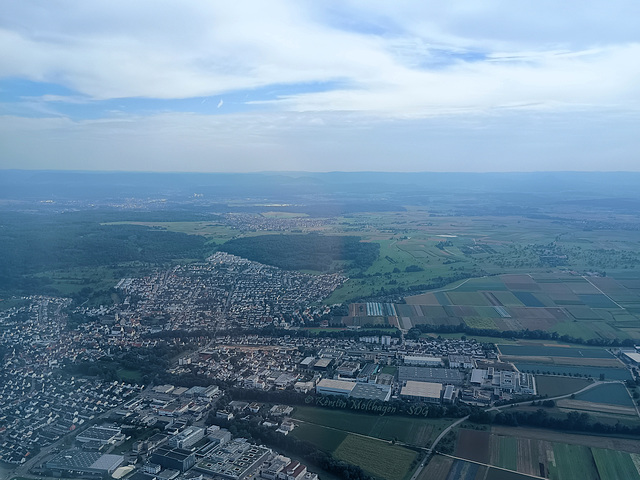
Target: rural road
{"x":435,"y":442}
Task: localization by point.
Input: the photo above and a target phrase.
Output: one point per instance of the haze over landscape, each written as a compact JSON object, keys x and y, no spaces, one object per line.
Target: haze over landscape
{"x":304,"y":240}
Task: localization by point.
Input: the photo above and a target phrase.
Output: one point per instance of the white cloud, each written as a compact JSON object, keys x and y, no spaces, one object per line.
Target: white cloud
{"x":390,"y":57}
{"x":374,"y":84}
{"x":596,"y":78}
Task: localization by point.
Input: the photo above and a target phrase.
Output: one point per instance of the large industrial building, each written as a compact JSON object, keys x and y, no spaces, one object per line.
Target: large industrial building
{"x":233,"y":461}
{"x":187,"y":438}
{"x":368,"y":391}
{"x":461,"y":361}
{"x":422,"y":361}
{"x":100,"y":434}
{"x":174,"y":458}
{"x":73,"y":462}
{"x":425,"y":374}
{"x":504,"y":381}
{"x":422,"y":391}
{"x":327,"y":386}
{"x":371,"y":391}
{"x":323,"y":363}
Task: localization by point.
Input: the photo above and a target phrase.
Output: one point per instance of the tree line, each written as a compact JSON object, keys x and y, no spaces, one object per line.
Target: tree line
{"x":417,"y":330}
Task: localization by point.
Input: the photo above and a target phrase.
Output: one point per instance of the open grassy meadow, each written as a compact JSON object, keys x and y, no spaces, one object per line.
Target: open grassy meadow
{"x":612,"y":394}
{"x":377,"y":458}
{"x":412,"y":431}
{"x":612,"y":465}
{"x":365,"y":440}
{"x":554,"y":386}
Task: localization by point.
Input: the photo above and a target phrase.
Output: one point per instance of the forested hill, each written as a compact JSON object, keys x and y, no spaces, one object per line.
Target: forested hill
{"x":32,"y":244}
{"x":305,"y":252}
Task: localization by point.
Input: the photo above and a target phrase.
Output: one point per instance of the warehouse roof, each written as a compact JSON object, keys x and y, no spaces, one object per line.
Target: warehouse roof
{"x":422,"y":389}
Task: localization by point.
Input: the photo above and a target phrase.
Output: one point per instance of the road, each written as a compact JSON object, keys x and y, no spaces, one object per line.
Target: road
{"x":433,"y":445}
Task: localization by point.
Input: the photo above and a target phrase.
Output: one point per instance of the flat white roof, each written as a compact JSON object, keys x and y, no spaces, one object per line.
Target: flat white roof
{"x":336,"y":384}
{"x":633,"y":356}
{"x":422,"y":358}
{"x":422,"y":389}
{"x":478,"y":375}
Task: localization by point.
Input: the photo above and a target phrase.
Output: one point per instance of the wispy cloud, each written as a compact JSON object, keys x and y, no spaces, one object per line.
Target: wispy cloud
{"x":402,"y":57}
{"x":301,"y":76}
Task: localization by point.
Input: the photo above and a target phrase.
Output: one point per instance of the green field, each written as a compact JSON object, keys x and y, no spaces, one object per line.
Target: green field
{"x":554,"y":386}
{"x":613,"y":394}
{"x":550,"y":453}
{"x":412,"y":431}
{"x":389,"y":370}
{"x":614,"y":465}
{"x":324,"y":438}
{"x":508,"y":454}
{"x":377,"y":458}
{"x":572,"y":462}
{"x":540,"y":350}
{"x":560,"y":303}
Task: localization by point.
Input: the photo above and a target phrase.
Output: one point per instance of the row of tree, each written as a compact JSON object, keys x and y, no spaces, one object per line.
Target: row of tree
{"x":572,"y":421}
{"x":418,"y":330}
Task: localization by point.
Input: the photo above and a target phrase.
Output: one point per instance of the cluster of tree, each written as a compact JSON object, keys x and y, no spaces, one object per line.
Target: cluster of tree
{"x":272,"y":331}
{"x":448,"y":443}
{"x":201,"y":335}
{"x":572,"y":421}
{"x":417,"y":330}
{"x":300,"y":252}
{"x":413,"y":268}
{"x":149,"y":363}
{"x":445,"y":243}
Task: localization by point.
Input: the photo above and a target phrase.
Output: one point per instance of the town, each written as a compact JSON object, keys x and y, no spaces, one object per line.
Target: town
{"x":55,"y":423}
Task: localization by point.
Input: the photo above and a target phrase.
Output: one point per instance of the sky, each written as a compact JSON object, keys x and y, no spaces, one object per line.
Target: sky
{"x":307,"y":85}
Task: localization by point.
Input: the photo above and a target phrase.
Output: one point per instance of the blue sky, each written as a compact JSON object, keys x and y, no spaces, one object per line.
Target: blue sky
{"x":320,"y":86}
